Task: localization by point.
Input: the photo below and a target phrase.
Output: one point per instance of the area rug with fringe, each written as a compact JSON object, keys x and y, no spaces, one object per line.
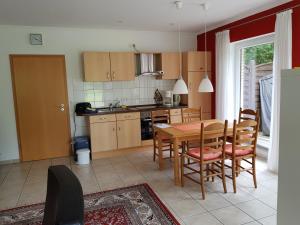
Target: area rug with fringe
{"x":124,"y":206}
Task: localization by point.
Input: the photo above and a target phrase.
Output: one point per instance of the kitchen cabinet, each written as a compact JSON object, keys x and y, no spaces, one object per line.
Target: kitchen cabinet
{"x":108,"y":66}
{"x":193,"y":73}
{"x":128,"y":130}
{"x":96,"y":66}
{"x":170,"y":65}
{"x":175,"y":116}
{"x":103,"y":133}
{"x":122,"y":65}
{"x":195,"y":61}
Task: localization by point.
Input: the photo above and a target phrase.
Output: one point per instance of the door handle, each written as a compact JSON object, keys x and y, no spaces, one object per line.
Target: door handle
{"x":107,"y":75}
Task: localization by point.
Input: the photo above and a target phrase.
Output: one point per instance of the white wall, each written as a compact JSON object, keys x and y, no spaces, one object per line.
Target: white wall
{"x":70,"y":42}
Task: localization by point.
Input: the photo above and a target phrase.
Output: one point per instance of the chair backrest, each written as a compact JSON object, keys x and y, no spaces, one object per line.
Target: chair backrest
{"x":213,"y":137}
{"x":160,"y":116}
{"x":64,"y":201}
{"x":245,"y":135}
{"x":191,"y":114}
{"x":248,"y":114}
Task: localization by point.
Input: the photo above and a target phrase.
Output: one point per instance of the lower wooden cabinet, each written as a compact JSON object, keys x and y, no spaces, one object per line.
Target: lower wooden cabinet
{"x":115,"y":131}
{"x":103,"y":136}
{"x":129,"y":133}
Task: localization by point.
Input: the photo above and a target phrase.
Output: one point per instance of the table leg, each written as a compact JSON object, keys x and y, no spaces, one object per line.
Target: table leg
{"x":176,"y":162}
{"x":160,"y":153}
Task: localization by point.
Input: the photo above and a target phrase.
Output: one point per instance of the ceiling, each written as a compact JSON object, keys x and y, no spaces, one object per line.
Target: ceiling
{"x":159,"y":15}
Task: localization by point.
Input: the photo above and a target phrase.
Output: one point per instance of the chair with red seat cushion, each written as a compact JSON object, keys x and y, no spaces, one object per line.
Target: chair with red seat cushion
{"x":242,"y":149}
{"x":209,"y":156}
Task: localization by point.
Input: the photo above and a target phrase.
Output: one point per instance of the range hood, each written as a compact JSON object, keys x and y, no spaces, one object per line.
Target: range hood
{"x":148,"y":64}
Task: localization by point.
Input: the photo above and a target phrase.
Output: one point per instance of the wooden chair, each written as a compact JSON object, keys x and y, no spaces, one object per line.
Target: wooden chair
{"x":242,"y":149}
{"x":190,"y":114}
{"x":247,"y":114}
{"x":210,"y":156}
{"x":161,"y":116}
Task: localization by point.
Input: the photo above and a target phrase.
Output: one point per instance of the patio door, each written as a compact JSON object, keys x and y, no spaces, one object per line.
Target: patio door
{"x":253,"y":66}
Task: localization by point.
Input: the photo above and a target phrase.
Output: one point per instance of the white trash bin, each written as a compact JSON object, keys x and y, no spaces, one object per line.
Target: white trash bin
{"x":83,"y":156}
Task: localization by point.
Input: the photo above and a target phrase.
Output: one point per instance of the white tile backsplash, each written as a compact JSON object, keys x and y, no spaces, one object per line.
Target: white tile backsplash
{"x":100,"y":94}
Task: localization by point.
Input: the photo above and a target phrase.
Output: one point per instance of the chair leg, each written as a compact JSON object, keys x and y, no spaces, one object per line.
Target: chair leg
{"x":223,"y":176}
{"x":234,"y":175}
{"x":237,"y":163}
{"x":202,"y":181}
{"x":207,"y":172}
{"x":254,"y":171}
{"x":213,"y":169}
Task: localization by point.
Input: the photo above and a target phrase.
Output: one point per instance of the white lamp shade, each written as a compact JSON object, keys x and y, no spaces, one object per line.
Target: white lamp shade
{"x":180,"y":87}
{"x":205,"y":85}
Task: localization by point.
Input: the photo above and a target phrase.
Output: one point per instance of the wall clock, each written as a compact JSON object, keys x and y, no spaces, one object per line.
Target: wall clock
{"x":36,"y":39}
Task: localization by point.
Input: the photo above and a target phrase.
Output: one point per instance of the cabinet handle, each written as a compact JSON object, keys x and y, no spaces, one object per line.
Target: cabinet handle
{"x":107,"y":75}
{"x":113,"y":129}
{"x":113,"y":75}
{"x":119,"y":128}
{"x":190,"y":86}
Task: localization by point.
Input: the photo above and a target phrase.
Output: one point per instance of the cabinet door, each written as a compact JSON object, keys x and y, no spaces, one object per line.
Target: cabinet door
{"x":96,"y":66}
{"x":170,"y":65}
{"x":103,"y":136}
{"x":196,"y":99}
{"x":129,"y":133}
{"x":122,"y":65}
{"x":196,"y":61}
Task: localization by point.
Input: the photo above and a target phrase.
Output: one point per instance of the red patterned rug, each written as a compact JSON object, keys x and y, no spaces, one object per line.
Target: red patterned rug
{"x":125,"y":206}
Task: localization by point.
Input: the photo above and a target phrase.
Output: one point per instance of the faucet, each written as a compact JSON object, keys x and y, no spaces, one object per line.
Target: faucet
{"x":114,"y":105}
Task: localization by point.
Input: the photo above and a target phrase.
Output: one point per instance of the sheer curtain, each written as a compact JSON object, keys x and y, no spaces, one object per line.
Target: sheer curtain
{"x":224,"y":78}
{"x":282,"y":60}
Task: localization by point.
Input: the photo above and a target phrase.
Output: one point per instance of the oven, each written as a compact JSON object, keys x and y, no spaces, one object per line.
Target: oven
{"x":146,"y":125}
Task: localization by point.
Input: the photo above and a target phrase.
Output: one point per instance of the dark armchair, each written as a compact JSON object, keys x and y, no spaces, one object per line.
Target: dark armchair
{"x":64,"y":201}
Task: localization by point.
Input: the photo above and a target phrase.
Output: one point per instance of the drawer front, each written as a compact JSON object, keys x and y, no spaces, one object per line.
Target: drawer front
{"x":103,"y":118}
{"x":128,"y":116}
{"x":175,"y":112}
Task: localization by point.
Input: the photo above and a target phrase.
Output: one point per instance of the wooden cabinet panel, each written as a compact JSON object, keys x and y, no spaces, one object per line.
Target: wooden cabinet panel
{"x":206,"y":116}
{"x":170,"y":65}
{"x":103,"y":118}
{"x":129,"y":133}
{"x":174,"y":112}
{"x":96,"y":66}
{"x":196,"y":61}
{"x":128,"y":116}
{"x":176,"y":119}
{"x":122,"y":66}
{"x":196,"y":99}
{"x":103,"y":136}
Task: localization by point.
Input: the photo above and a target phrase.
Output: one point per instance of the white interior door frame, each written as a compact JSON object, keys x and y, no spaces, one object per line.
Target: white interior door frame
{"x":236,"y":48}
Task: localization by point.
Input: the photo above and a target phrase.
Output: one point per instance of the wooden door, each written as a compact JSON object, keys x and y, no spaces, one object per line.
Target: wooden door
{"x":196,"y":61}
{"x":170,"y":65}
{"x":41,"y":106}
{"x":122,"y":65}
{"x":129,"y":133}
{"x":196,"y":99}
{"x":96,"y":66}
{"x":103,"y":136}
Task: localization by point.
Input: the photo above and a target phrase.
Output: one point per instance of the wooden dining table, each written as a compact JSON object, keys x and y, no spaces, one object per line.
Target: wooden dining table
{"x":179,"y":133}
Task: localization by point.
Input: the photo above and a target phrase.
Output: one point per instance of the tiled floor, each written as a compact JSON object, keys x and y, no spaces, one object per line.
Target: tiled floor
{"x":25,"y":183}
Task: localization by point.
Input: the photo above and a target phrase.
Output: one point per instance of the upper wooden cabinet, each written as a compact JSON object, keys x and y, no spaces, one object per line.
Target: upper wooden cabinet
{"x":122,"y":65}
{"x":170,"y":65}
{"x":96,"y":66}
{"x":108,"y":66}
{"x":195,"y":61}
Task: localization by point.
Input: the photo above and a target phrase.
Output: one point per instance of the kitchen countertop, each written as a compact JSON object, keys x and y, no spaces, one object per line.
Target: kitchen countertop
{"x":134,"y":108}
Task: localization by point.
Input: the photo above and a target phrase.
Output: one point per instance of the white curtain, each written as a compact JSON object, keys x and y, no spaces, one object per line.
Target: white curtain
{"x":224,"y":78}
{"x":282,"y":60}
